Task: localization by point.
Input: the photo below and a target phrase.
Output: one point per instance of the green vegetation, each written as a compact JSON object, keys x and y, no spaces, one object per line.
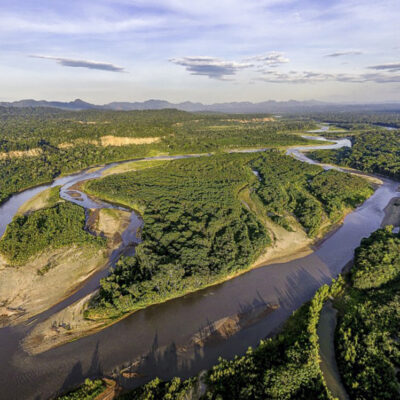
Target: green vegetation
{"x":54,"y":227}
{"x":197,"y":231}
{"x":288,"y":187}
{"x":88,"y":391}
{"x":287,"y":366}
{"x":133,"y":166}
{"x":62,"y":142}
{"x":377,"y":260}
{"x":368,"y":349}
{"x":283,"y":368}
{"x":176,"y":389}
{"x":359,"y":121}
{"x":371,"y":152}
{"x":21,"y":173}
{"x":216,"y":133}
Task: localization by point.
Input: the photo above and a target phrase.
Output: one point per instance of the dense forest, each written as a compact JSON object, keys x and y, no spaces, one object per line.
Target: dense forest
{"x":371,"y":152}
{"x":358,"y":121}
{"x":288,"y":187}
{"x":197,"y":231}
{"x":39,"y":144}
{"x":53,"y":227}
{"x":367,"y":343}
{"x":287,"y":366}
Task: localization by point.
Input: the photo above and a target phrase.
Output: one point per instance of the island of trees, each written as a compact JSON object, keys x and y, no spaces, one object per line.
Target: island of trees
{"x":197,"y":231}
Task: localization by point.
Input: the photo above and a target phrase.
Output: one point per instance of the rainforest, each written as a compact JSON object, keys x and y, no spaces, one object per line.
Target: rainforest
{"x":174,"y":255}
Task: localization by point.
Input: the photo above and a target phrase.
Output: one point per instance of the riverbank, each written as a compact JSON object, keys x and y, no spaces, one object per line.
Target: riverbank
{"x":141,"y":334}
{"x":71,"y":322}
{"x":41,"y":283}
{"x":392,"y":213}
{"x":55,"y":275}
{"x":326,"y":341}
{"x":286,"y":246}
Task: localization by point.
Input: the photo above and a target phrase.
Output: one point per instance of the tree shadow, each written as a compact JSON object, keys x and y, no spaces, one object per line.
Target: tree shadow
{"x":74,"y":377}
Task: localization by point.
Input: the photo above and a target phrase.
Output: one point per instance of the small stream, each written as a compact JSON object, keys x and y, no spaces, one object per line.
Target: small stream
{"x":156,"y":336}
{"x":326,"y":336}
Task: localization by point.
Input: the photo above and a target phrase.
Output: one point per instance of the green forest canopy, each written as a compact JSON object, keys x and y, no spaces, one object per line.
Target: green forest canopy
{"x":197,"y":231}
{"x":287,"y":366}
{"x":63,"y":140}
{"x":371,"y":152}
{"x":54,"y":227}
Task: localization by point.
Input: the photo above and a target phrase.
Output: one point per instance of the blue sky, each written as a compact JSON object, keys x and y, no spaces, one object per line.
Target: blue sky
{"x":209,"y":51}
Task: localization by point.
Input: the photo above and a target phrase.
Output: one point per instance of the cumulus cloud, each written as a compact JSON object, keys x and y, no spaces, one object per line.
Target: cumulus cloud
{"x":345,"y":53}
{"x":272,"y":59}
{"x":391,"y":67}
{"x":69,"y":62}
{"x":212,"y":67}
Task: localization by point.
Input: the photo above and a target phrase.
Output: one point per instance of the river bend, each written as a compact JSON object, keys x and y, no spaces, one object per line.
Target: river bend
{"x":156,"y":336}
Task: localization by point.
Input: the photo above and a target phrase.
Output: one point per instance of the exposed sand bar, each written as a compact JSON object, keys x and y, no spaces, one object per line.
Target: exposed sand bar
{"x":392,"y":213}
{"x":54,"y":275}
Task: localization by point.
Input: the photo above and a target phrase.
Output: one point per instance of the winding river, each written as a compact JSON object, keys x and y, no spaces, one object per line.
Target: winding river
{"x":156,"y":338}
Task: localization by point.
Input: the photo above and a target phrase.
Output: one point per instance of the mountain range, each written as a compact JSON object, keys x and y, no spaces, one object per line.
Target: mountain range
{"x":270,"y":106}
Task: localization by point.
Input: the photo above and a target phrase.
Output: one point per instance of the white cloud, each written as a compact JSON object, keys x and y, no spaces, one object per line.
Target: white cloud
{"x":69,"y":62}
{"x":212,"y":67}
{"x":272,"y":59}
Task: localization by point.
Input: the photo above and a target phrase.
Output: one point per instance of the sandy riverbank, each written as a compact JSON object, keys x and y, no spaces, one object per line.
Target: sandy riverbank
{"x":70,"y":324}
{"x":392,"y":213}
{"x":54,"y":275}
{"x":46,"y":198}
{"x":46,"y":280}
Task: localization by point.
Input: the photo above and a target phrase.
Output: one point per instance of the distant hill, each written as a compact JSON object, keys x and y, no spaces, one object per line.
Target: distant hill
{"x":271,"y":106}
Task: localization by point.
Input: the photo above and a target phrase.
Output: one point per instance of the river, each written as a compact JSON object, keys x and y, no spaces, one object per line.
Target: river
{"x":156,"y":336}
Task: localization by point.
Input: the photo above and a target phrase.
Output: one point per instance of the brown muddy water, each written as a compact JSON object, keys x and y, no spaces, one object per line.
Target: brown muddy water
{"x":155,"y":339}
{"x":326,"y":339}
